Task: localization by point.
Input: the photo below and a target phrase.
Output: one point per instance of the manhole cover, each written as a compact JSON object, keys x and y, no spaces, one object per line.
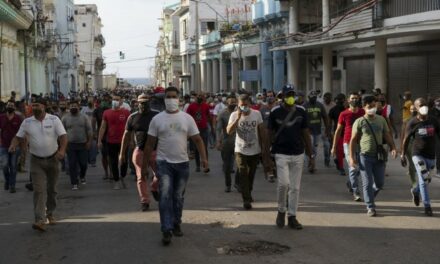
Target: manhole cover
{"x":259,"y":247}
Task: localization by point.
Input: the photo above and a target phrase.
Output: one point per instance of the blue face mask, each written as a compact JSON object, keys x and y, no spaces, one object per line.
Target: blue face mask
{"x":244,"y":109}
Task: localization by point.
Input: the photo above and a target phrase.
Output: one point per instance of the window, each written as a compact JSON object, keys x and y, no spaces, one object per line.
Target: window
{"x":184,"y":29}
{"x":84,"y":25}
{"x":207,"y":27}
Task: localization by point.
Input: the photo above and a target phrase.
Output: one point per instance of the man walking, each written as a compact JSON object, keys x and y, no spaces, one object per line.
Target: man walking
{"x":137,"y":126}
{"x":290,"y":135}
{"x":170,"y":130}
{"x":113,"y":125}
{"x":43,"y":132}
{"x":79,"y":138}
{"x":10,"y":122}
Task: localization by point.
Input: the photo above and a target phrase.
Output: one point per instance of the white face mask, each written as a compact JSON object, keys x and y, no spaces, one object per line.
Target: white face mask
{"x":371,"y":111}
{"x":424,"y":110}
{"x":171,"y":105}
{"x":115,"y":104}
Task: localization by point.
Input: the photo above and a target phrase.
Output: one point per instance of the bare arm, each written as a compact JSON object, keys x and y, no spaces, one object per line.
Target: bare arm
{"x":231,"y":128}
{"x":102,"y":131}
{"x":201,"y":148}
{"x":336,"y":137}
{"x":62,"y":146}
{"x":148,"y":149}
{"x":125,"y":143}
{"x":353,"y":146}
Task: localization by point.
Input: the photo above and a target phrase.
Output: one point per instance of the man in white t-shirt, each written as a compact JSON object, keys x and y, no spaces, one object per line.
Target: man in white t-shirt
{"x":250,"y":143}
{"x":170,"y":130}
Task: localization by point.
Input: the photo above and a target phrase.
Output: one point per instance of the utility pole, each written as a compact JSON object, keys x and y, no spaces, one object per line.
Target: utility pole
{"x":26,"y":80}
{"x":1,"y":63}
{"x":197,"y":67}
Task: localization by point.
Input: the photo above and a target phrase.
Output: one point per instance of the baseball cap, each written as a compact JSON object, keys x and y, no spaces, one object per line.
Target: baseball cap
{"x":288,"y":88}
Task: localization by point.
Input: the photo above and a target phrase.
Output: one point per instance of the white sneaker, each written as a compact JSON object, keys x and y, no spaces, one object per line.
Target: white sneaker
{"x":75,"y":187}
{"x":116,"y":186}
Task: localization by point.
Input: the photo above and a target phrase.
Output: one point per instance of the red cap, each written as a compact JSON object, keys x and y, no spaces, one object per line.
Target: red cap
{"x":159,"y":90}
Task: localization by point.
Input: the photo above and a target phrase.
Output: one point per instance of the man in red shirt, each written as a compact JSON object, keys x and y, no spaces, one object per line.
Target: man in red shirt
{"x":345,"y":122}
{"x":113,"y":122}
{"x":9,"y":125}
{"x":199,"y":110}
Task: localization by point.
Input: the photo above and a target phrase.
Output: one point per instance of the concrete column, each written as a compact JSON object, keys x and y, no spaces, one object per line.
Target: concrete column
{"x":325,"y":14}
{"x":201,"y":86}
{"x":246,"y":66}
{"x":278,"y":69}
{"x":6,"y":69}
{"x":208,"y":87}
{"x":234,"y":76}
{"x":266,"y":67}
{"x":192,"y":81}
{"x":294,"y":17}
{"x":259,"y":68}
{"x":215,"y":76}
{"x":327,"y":71}
{"x":380,"y":65}
{"x":223,"y":75}
{"x":293,"y":55}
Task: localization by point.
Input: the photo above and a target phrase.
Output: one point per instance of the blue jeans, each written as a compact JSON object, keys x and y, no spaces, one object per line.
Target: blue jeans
{"x":173,"y":178}
{"x":353,"y":173}
{"x":422,"y":187}
{"x":77,"y":156}
{"x":10,"y":168}
{"x":372,"y":173}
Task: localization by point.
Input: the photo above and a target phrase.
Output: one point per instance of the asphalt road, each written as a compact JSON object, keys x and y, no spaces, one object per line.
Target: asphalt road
{"x":101,"y":225}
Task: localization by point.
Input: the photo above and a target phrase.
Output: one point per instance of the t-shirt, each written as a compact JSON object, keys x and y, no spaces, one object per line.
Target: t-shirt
{"x":200,"y":113}
{"x":329,"y":106}
{"x":290,"y":139}
{"x":246,"y":140}
{"x":116,"y":120}
{"x":222,"y":123}
{"x":218,"y":108}
{"x":424,"y":134}
{"x":9,"y":128}
{"x":172,"y":132}
{"x":367,"y":143}
{"x":346,"y":119}
{"x":265,"y":113}
{"x":78,"y":127}
{"x":139,"y":124}
{"x":88,"y":112}
{"x":315,"y":114}
{"x":334,"y":115}
{"x":406,"y":111}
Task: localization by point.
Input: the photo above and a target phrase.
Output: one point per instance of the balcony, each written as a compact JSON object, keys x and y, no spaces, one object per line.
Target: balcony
{"x":396,"y":8}
{"x":211,"y":38}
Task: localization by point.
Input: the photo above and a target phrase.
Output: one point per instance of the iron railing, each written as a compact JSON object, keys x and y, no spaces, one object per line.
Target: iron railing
{"x":396,"y":8}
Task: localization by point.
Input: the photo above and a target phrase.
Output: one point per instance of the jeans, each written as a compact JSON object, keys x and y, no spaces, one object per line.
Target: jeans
{"x":173,"y":178}
{"x":372,"y":173}
{"x":45,"y":174}
{"x":77,"y":156}
{"x":327,"y":147}
{"x":247,"y":166}
{"x":289,"y":172}
{"x":228,"y":163}
{"x":204,"y":134}
{"x":10,"y":166}
{"x":353,"y":173}
{"x":93,"y":152}
{"x":113,"y":154}
{"x":422,"y":188}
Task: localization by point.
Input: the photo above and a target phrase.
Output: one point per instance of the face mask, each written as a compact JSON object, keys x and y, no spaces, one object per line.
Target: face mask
{"x":424,"y":110}
{"x":223,"y":99}
{"x":74,"y":111}
{"x":10,"y":110}
{"x":171,"y":105}
{"x":37,"y":112}
{"x":244,"y":109}
{"x":289,"y":100}
{"x":115,"y":104}
{"x":232,"y":107}
{"x":371,"y":111}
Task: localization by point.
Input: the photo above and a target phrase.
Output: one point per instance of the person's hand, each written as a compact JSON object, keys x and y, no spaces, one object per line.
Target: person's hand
{"x":394,"y":153}
{"x":99,"y":144}
{"x":60,"y":155}
{"x":12,"y":149}
{"x":311,"y":164}
{"x":353,"y":163}
{"x":333,"y":152}
{"x":205,"y":165}
{"x":403,"y":161}
{"x":219,"y":146}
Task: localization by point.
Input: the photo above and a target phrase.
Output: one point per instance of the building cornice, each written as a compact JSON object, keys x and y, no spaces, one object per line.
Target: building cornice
{"x":16,"y":17}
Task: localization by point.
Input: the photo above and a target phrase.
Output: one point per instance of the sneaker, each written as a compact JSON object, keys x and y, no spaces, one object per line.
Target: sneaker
{"x":166,"y":238}
{"x":124,"y":186}
{"x":281,"y":219}
{"x":145,"y":207}
{"x":12,"y":190}
{"x":116,"y":186}
{"x":271,"y":178}
{"x":198,"y":169}
{"x":428,"y":211}
{"x":39,"y":226}
{"x":357,"y":197}
{"x":207,"y":170}
{"x":228,"y":189}
{"x":83,"y":181}
{"x":29,"y":186}
{"x":247,"y":206}
{"x":155,"y":195}
{"x":293,"y":223}
{"x":75,"y":187}
{"x":371,"y":212}
{"x":415,"y":197}
{"x":177,"y":231}
{"x":51,"y":220}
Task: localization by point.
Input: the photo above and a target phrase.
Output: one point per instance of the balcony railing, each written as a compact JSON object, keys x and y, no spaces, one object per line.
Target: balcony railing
{"x":396,"y":8}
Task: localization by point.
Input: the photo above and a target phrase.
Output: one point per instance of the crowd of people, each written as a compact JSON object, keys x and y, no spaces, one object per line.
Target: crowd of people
{"x":156,"y":133}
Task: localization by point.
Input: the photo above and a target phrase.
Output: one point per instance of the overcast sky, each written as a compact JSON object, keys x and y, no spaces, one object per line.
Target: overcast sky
{"x":129,"y":25}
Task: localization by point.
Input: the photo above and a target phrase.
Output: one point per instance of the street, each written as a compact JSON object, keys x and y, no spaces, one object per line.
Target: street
{"x":101,"y":225}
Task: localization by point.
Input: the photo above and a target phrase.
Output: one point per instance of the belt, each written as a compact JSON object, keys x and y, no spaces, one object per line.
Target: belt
{"x":44,"y":158}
